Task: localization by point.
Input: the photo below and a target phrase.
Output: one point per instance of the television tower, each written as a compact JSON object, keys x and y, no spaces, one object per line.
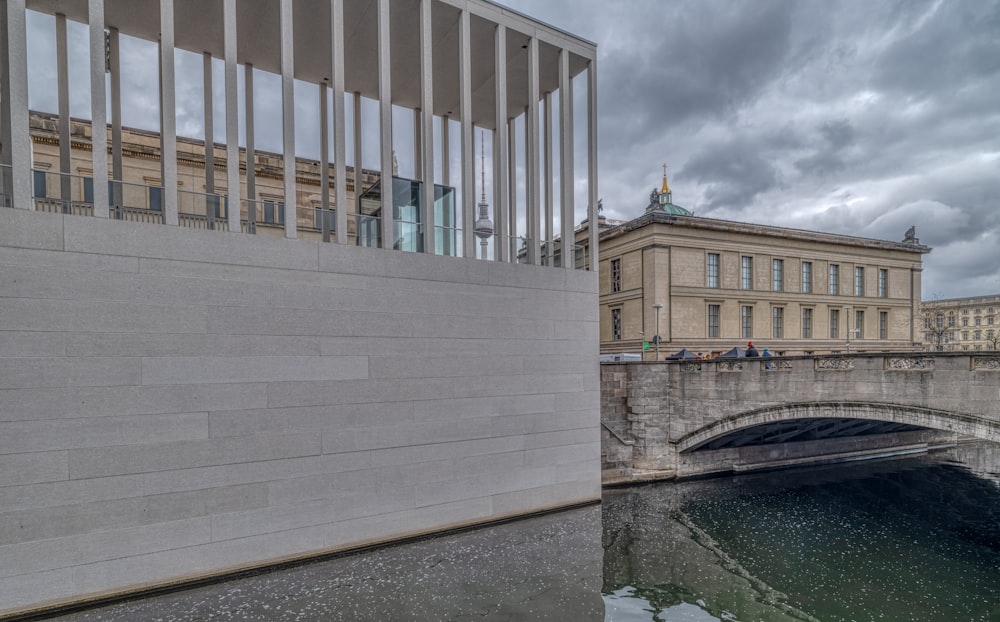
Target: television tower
{"x":484,"y":226}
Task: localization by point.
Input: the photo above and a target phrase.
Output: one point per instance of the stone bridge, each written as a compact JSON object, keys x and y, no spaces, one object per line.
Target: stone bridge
{"x":682,"y":418}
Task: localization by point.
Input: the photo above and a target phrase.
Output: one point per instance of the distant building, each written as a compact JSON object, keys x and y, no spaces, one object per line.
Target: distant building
{"x":961,"y":324}
{"x":720,"y":284}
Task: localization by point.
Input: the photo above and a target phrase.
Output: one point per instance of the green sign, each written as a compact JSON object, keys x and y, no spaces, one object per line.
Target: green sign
{"x":645,"y":345}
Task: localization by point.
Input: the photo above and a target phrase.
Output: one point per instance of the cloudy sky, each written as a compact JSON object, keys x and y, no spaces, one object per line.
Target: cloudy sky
{"x":847,"y":116}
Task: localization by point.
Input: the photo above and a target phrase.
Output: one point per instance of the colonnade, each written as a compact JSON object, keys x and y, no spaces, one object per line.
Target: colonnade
{"x":104,"y":64}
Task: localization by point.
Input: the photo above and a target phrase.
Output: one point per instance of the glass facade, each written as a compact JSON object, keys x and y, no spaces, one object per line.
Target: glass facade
{"x":408,"y":217}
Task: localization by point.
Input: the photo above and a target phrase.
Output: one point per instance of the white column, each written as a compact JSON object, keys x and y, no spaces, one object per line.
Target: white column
{"x":565,"y":159}
{"x":98,"y":107}
{"x":547,"y":159}
{"x":117,"y":166}
{"x":62,"y":89}
{"x":593,"y":241}
{"x":324,"y":163}
{"x":512,"y":187}
{"x":417,"y":150}
{"x":340,"y":124}
{"x":168,"y":114}
{"x":17,"y":139}
{"x":250,"y":149}
{"x":531,"y":156}
{"x":465,"y":107}
{"x":288,"y":116}
{"x":209,"y":126}
{"x":501,"y":210}
{"x":385,"y":122}
{"x":425,"y":152}
{"x":358,"y":169}
{"x":232,"y":119}
{"x":445,"y":151}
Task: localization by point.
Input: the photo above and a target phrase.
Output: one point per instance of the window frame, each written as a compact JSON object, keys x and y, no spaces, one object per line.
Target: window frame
{"x":746,"y":321}
{"x":712,"y":270}
{"x":777,"y":275}
{"x":746,"y":272}
{"x":807,"y":277}
{"x":616,"y":275}
{"x":807,"y":322}
{"x":833,"y":286}
{"x":717,"y":325}
{"x":777,"y":322}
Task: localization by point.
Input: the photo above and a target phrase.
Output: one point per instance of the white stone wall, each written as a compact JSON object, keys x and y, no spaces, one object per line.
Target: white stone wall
{"x":177,"y":402}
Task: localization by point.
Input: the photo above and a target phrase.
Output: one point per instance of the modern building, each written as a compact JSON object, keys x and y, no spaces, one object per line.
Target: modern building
{"x":195,"y":382}
{"x":961,"y":324}
{"x":709,"y":285}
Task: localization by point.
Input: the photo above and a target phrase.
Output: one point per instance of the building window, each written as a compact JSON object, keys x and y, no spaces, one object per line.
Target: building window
{"x":883,"y":283}
{"x":777,"y":322}
{"x":978,"y":311}
{"x":713,"y":269}
{"x":977,"y":335}
{"x":746,"y":272}
{"x":951,"y":321}
{"x":616,"y":275}
{"x":979,"y":321}
{"x":883,"y":324}
{"x":777,"y":275}
{"x":989,"y":320}
{"x":834,"y":279}
{"x":965,"y":312}
{"x":859,"y":324}
{"x":807,"y":277}
{"x":616,"y":324}
{"x":713,"y":320}
{"x":859,"y":281}
{"x":834,"y":323}
{"x":807,"y":323}
{"x":746,"y":322}
{"x":965,"y":335}
{"x":965,"y":321}
{"x":938,"y":321}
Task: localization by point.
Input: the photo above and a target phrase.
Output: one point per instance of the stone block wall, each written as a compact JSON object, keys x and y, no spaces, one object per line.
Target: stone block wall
{"x":176,"y":403}
{"x":673,"y":407}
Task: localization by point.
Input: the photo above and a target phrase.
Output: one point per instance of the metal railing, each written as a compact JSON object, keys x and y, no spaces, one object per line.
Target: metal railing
{"x":364,"y":230}
{"x":200,"y":210}
{"x":65,"y":193}
{"x":62,"y":193}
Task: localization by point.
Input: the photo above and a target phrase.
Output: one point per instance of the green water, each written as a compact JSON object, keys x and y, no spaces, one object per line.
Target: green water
{"x":914,"y":539}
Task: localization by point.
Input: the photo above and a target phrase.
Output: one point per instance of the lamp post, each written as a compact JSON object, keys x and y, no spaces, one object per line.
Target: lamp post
{"x":656,"y":337}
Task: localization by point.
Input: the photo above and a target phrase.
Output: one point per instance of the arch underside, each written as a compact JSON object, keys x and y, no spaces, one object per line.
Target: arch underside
{"x":820,"y":420}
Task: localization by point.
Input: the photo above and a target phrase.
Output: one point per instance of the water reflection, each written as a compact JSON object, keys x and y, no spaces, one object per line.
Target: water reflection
{"x":913,"y":539}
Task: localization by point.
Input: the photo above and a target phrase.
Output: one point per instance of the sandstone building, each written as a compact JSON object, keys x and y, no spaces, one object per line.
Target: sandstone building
{"x":715,"y":284}
{"x":961,"y":324}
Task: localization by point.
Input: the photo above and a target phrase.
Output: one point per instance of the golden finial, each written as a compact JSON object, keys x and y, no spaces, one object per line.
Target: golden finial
{"x":665,"y":189}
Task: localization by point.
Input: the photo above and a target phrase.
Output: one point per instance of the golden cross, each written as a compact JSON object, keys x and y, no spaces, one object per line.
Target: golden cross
{"x":664,"y":169}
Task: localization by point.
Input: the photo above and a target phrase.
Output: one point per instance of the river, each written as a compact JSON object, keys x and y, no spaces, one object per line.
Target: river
{"x":907,"y":539}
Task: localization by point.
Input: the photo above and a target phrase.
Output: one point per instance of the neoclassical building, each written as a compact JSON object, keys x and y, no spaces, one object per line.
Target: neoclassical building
{"x":961,"y":324}
{"x":710,"y":285}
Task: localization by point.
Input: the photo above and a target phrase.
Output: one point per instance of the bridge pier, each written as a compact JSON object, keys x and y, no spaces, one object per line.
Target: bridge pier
{"x":667,"y":420}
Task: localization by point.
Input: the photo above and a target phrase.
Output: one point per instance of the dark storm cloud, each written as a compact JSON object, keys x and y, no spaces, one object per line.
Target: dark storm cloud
{"x":694,"y":62}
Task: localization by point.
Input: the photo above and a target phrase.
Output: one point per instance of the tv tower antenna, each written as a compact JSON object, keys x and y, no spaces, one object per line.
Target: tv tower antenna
{"x":484,"y":226}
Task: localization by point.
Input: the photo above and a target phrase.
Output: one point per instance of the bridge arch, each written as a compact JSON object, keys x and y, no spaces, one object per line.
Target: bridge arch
{"x":960,"y":423}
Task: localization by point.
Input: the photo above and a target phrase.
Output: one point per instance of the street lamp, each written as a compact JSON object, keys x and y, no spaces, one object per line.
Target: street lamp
{"x":656,"y":337}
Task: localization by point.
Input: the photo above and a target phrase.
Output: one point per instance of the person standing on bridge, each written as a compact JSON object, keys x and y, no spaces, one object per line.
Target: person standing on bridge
{"x":751,"y":351}
{"x":767,"y":355}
